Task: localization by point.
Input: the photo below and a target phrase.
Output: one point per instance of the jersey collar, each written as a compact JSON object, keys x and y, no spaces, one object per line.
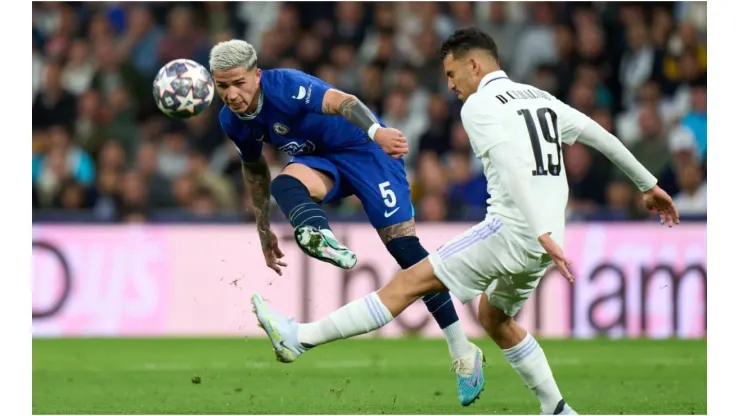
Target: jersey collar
{"x":492,"y":76}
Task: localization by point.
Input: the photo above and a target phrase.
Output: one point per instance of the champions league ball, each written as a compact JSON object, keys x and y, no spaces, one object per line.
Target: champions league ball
{"x":183,"y":89}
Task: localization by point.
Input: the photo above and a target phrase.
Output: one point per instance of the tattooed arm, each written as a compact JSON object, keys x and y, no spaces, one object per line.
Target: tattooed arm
{"x":403,"y":229}
{"x":349,"y":107}
{"x":257,"y":180}
{"x":353,"y":110}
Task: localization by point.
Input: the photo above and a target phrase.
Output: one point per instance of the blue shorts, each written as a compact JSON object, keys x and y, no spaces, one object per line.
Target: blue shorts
{"x":378,"y":180}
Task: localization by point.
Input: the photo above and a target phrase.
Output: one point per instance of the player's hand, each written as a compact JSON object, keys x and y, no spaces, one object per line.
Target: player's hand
{"x":271,"y":251}
{"x":558,"y":257}
{"x":392,"y":141}
{"x":658,"y":201}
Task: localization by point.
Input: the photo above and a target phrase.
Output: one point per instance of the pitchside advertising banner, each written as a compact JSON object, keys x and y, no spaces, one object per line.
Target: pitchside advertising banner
{"x":631,"y":281}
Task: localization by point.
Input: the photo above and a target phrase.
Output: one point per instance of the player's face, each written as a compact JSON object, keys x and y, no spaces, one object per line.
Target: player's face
{"x":460,"y":76}
{"x":238,"y":88}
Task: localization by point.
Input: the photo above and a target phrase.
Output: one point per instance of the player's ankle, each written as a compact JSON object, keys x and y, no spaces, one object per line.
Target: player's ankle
{"x":457,"y":341}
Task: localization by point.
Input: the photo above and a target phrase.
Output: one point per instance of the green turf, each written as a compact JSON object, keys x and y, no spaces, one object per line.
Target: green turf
{"x":369,"y":376}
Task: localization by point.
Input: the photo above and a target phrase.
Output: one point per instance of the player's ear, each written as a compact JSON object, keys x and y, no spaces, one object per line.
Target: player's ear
{"x":474,"y":65}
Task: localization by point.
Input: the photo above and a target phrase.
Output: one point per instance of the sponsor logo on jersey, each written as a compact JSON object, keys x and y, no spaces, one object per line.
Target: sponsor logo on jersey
{"x":301,"y":93}
{"x":297,"y":149}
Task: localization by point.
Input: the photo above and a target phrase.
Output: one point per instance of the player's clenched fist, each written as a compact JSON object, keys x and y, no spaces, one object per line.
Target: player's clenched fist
{"x":392,"y":141}
{"x":272,"y":252}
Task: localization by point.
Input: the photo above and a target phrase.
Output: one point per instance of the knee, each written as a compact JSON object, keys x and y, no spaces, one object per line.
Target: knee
{"x":494,"y":320}
{"x":317,"y":183}
{"x":286,"y":183}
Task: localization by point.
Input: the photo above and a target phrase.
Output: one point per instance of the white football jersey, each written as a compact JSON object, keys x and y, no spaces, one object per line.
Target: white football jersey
{"x":531,"y":126}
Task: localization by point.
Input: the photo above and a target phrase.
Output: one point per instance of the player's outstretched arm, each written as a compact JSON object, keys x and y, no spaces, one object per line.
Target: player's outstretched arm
{"x":655,"y":198}
{"x":257,"y":180}
{"x":336,"y":102}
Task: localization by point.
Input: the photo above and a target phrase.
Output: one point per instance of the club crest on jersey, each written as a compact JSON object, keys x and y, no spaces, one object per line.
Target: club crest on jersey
{"x":296,"y":149}
{"x":280,"y":129}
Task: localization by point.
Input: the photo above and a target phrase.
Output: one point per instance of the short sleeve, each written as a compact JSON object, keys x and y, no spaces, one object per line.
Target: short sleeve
{"x":483,"y":128}
{"x":246,"y":138}
{"x":571,"y":123}
{"x":297,"y":92}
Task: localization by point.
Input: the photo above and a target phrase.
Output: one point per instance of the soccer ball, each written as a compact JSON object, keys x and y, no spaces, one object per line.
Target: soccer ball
{"x":183,"y":89}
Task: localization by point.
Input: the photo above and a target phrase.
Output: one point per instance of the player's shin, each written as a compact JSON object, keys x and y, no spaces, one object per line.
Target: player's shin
{"x":295,"y":201}
{"x":408,"y":251}
{"x":355,"y":318}
{"x":363,"y":315}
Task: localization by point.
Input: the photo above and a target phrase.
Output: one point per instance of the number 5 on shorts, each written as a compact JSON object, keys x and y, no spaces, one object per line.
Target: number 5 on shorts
{"x":389,"y":198}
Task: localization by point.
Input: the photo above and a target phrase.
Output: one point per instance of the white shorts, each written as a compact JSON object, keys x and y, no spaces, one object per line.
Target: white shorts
{"x":490,"y":258}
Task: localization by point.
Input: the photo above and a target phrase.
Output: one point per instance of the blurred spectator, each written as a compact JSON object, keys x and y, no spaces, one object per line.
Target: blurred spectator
{"x":619,"y":197}
{"x":536,"y":46}
{"x":650,"y":95}
{"x":90,"y":123}
{"x":692,"y":200}
{"x":465,"y":188}
{"x":437,"y":137}
{"x":695,"y":13}
{"x":79,"y":70}
{"x":349,"y":23}
{"x":183,"y":188}
{"x":432,"y":208}
{"x":64,"y":160}
{"x":504,"y":30}
{"x":431,"y":75}
{"x":141,"y":40}
{"x":159,"y":187}
{"x":584,"y":178}
{"x":112,"y":156}
{"x":651,"y":148}
{"x":133,"y":192}
{"x":639,"y":63}
{"x":685,"y":40}
{"x":107,"y":194}
{"x":116,"y":74}
{"x":689,"y":71}
{"x":204,"y":203}
{"x":172,"y":155}
{"x":71,"y":196}
{"x":100,"y":147}
{"x":54,"y":105}
{"x":342,"y":57}
{"x":398,"y":115}
{"x":696,"y":120}
{"x":545,"y":78}
{"x":219,"y":189}
{"x":183,"y":38}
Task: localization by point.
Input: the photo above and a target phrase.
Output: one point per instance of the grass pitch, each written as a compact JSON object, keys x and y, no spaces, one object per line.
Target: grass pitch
{"x":363,"y":376}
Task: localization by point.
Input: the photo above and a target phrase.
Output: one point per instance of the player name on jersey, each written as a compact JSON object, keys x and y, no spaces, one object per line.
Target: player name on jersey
{"x":523,"y":95}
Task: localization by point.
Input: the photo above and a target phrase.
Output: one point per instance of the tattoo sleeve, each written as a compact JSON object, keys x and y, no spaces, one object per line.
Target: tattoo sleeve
{"x":352,"y":109}
{"x":257,"y":180}
{"x":403,"y":229}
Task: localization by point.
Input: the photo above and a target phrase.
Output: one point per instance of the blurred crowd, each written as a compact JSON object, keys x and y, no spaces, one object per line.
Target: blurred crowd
{"x":103,"y":152}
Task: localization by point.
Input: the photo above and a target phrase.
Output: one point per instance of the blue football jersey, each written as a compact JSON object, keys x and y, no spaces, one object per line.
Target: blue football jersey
{"x":291,"y":119}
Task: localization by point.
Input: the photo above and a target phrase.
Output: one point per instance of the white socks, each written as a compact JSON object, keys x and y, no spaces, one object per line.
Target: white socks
{"x":457,"y":341}
{"x":529,"y":361}
{"x":366,"y":315}
{"x":355,"y":318}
